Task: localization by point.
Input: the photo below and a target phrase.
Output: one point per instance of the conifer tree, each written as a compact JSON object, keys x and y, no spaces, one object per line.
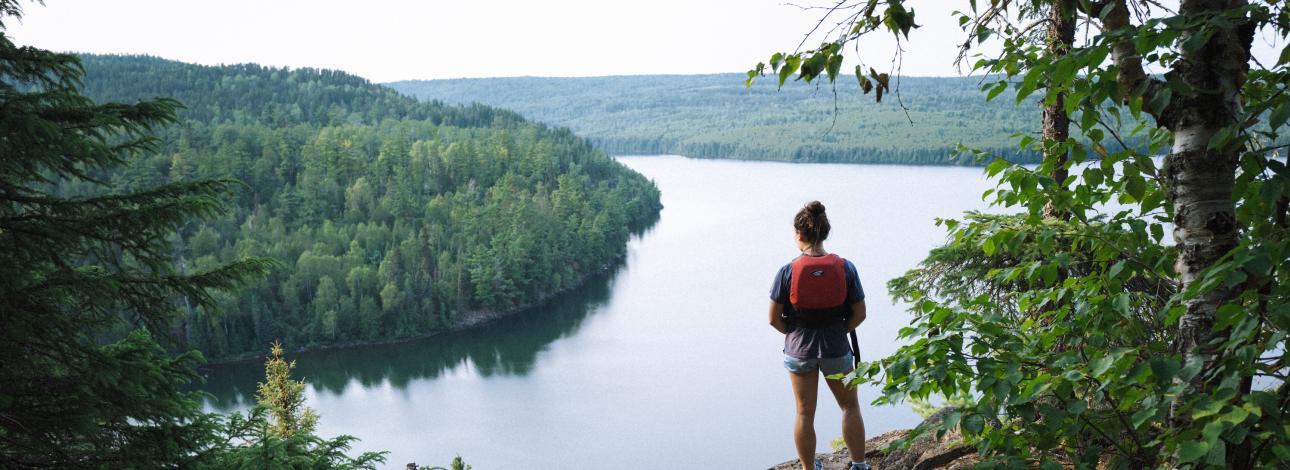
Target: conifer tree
{"x":80,"y":271}
{"x":285,"y":398}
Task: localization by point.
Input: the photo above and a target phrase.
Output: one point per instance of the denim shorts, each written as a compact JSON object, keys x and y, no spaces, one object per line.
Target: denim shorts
{"x":828,"y":365}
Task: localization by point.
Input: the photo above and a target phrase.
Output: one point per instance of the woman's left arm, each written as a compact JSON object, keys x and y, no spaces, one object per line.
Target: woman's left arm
{"x":857,"y":315}
{"x":777,"y":317}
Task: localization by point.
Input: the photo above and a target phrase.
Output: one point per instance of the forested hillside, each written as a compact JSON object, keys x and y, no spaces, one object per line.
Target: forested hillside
{"x":393,"y":218}
{"x":716,"y":116}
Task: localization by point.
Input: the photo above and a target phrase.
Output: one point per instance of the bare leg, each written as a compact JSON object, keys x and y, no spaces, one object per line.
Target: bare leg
{"x":805,"y":388}
{"x":852,"y":422}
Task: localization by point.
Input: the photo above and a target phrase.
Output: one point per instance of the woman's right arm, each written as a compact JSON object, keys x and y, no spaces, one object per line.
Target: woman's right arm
{"x":777,"y":317}
{"x":858,"y":314}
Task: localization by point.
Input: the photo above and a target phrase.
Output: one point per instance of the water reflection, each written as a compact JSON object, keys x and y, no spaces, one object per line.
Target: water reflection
{"x":507,"y":347}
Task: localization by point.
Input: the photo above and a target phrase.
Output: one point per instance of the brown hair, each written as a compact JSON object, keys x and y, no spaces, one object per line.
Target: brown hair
{"x":812,"y":223}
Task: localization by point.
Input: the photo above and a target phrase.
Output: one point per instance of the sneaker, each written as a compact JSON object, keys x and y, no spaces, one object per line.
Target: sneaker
{"x":859,"y":466}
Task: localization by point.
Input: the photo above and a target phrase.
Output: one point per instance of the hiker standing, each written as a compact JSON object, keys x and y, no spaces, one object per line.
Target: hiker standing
{"x":816,"y":300}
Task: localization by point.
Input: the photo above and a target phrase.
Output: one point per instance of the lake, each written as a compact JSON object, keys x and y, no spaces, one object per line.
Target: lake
{"x":666,"y":361}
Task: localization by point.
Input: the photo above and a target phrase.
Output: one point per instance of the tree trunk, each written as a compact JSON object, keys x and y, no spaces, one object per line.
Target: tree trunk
{"x":1199,"y":183}
{"x":1198,"y":179}
{"x":1060,"y":35}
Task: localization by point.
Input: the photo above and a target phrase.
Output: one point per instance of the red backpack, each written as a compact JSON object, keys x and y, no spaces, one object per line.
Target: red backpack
{"x":818,"y":282}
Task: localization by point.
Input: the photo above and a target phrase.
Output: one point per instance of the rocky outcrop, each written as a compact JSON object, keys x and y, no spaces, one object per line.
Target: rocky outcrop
{"x":925,"y":453}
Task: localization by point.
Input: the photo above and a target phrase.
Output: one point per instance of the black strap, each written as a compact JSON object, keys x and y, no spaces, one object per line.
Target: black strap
{"x":821,"y":317}
{"x":855,"y":349}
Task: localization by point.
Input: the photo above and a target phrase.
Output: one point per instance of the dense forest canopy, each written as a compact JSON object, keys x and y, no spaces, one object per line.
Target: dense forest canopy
{"x":394,"y":218}
{"x":716,"y":116}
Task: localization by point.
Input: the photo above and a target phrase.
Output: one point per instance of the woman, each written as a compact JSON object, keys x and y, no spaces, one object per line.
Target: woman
{"x":815,"y":300}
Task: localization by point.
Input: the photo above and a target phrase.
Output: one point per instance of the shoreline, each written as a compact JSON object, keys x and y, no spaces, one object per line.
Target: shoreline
{"x":469,"y":319}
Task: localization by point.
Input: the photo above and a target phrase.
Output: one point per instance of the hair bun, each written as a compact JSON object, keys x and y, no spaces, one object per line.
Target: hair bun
{"x":815,"y":208}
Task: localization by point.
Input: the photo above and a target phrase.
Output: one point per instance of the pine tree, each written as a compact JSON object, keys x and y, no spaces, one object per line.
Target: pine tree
{"x":88,"y":288}
{"x":285,"y":398}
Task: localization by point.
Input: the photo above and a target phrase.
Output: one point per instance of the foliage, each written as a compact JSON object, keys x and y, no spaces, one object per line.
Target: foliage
{"x":714,"y":116}
{"x":249,"y":441}
{"x":1067,"y":335}
{"x":279,"y":431}
{"x":457,"y":464}
{"x":284,"y":398}
{"x":78,"y":268}
{"x":394,"y":218}
{"x":74,"y":267}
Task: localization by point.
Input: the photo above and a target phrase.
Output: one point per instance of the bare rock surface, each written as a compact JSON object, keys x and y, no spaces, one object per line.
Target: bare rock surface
{"x":925,"y":453}
{"x":874,"y":451}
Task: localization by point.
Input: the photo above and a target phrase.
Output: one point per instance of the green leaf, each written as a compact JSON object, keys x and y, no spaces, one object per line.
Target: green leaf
{"x":813,"y":66}
{"x":1036,"y":387}
{"x":939,"y":316}
{"x":833,"y":66}
{"x":1207,"y":407}
{"x":790,"y":65}
{"x":1101,"y":364}
{"x":951,"y":420}
{"x":1271,"y":191}
{"x":1197,"y":40}
{"x":1115,"y":269}
{"x":1087,"y":120}
{"x":1076,"y":407}
{"x":1142,"y":416}
{"x":1151,"y":201}
{"x":972,"y":424}
{"x":1236,"y":416}
{"x":1191,"y":450}
{"x":1160,"y":100}
{"x":1122,"y":303}
{"x":1217,"y":455}
{"x":1220,"y":138}
{"x":1063,"y":72}
{"x":864,"y":82}
{"x":996,"y":90}
{"x":1191,"y":368}
{"x":996,"y":166}
{"x":1136,"y":186}
{"x":1093,"y":176}
{"x":1279,"y":116}
{"x":1164,"y":369}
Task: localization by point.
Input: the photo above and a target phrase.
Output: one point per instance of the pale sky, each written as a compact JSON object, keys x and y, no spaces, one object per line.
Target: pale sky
{"x":387,"y":40}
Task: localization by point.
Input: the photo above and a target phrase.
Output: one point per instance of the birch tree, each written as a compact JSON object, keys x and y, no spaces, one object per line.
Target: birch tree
{"x":1091,"y":338}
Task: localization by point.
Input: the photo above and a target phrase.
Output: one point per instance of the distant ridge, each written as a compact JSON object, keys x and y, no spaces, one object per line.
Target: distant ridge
{"x":715,"y":116}
{"x":247,"y":93}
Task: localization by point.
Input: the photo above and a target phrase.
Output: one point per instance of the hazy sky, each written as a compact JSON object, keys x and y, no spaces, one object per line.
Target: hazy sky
{"x":386,"y":40}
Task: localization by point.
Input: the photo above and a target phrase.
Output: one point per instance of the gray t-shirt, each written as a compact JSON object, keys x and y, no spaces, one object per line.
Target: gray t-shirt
{"x":810,"y":343}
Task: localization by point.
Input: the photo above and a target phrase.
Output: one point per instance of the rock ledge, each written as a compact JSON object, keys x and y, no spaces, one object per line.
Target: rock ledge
{"x":925,"y":453}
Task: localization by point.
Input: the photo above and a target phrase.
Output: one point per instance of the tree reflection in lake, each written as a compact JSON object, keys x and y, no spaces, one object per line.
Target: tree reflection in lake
{"x":508,"y":346}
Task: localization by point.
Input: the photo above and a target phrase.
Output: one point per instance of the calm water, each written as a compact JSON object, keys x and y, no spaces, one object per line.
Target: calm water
{"x":666,"y":362}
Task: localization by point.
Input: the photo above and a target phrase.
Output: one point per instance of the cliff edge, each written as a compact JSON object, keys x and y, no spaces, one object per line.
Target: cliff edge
{"x":925,"y":453}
